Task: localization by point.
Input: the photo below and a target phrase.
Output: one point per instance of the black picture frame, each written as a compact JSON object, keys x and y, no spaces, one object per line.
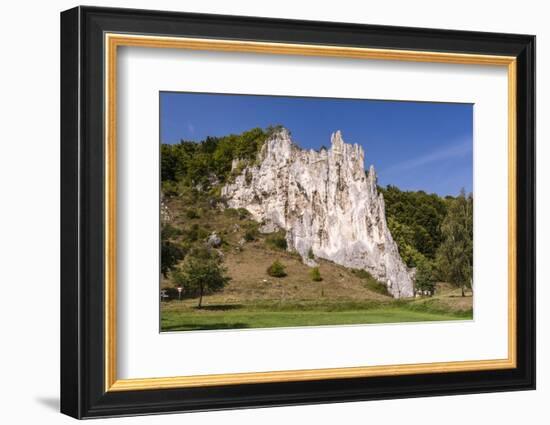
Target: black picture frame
{"x":83,"y":392}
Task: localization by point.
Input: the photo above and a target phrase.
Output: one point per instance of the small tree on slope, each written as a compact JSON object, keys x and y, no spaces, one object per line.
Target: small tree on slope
{"x":201,"y":273}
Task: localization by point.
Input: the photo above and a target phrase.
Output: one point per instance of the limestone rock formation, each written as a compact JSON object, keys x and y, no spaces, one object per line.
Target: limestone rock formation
{"x":214,"y":240}
{"x":326,"y":203}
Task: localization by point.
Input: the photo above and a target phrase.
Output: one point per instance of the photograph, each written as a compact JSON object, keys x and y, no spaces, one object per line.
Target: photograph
{"x":286,"y":210}
{"x":281,"y":211}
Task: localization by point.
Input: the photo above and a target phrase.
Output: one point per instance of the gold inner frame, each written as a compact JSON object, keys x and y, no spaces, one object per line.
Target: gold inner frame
{"x":113,"y":41}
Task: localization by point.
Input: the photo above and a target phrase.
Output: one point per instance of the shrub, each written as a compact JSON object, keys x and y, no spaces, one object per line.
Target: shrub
{"x":315,"y":274}
{"x":362,"y":274}
{"x":216,"y":193}
{"x":243,"y":213}
{"x":370,"y":282}
{"x":276,"y":269}
{"x":251,"y":235}
{"x":169,"y":188}
{"x":231,"y":212}
{"x":277,"y":240}
{"x":191,"y":214}
{"x":169,"y":232}
{"x":377,"y":287}
{"x":310,"y":254}
{"x":194,"y":233}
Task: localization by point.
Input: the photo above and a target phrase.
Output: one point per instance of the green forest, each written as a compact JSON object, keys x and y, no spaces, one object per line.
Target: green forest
{"x":434,"y":234}
{"x":206,"y":165}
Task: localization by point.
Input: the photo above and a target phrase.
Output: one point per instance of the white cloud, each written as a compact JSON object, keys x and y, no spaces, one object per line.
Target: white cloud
{"x":449,"y":152}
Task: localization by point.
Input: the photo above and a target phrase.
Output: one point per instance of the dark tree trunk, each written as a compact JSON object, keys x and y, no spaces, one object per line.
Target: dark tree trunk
{"x":463,"y":294}
{"x":200,"y":297}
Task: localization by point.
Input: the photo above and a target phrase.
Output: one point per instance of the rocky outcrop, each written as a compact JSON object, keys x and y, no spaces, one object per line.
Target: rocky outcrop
{"x":165,"y":216}
{"x":326,"y":203}
{"x":214,"y":240}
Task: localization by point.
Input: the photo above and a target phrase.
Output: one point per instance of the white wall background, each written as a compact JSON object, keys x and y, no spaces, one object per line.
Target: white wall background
{"x":29,"y":217}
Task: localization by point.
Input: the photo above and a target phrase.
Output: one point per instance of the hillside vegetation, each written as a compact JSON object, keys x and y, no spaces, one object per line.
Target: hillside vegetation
{"x":434,"y":235}
{"x":414,"y":219}
{"x":206,"y":165}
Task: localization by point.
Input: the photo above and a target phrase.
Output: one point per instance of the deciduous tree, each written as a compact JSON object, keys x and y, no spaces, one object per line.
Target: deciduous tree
{"x":455,"y":254}
{"x":201,"y":273}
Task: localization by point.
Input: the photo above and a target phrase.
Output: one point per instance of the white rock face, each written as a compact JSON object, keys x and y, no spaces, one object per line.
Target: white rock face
{"x":326,"y":204}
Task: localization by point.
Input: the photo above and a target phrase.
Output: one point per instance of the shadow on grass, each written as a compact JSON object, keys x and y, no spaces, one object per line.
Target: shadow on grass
{"x":203,"y":326}
{"x":219,"y":307}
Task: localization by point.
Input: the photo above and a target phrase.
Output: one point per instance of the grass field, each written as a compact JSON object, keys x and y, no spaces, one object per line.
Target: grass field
{"x":180,"y":316}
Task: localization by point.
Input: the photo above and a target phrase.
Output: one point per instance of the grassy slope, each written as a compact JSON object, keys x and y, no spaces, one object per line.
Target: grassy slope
{"x":253,"y":299}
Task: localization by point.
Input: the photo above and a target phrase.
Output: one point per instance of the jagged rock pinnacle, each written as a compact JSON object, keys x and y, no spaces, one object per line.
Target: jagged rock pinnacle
{"x":326,"y":205}
{"x":336,"y":139}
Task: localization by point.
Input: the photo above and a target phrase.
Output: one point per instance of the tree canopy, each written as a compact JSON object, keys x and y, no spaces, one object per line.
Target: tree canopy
{"x":414,"y":220}
{"x":201,"y":272}
{"x":433,"y":234}
{"x":171,"y":251}
{"x":197,"y":164}
{"x":455,"y":254}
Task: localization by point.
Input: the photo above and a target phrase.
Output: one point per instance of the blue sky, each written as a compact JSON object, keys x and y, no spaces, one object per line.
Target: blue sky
{"x":412,"y":145}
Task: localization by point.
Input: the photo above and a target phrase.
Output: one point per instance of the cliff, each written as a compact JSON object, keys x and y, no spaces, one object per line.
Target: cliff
{"x":326,"y":204}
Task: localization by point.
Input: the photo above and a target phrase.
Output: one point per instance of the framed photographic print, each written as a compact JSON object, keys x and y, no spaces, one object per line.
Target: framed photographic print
{"x":261,"y":212}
